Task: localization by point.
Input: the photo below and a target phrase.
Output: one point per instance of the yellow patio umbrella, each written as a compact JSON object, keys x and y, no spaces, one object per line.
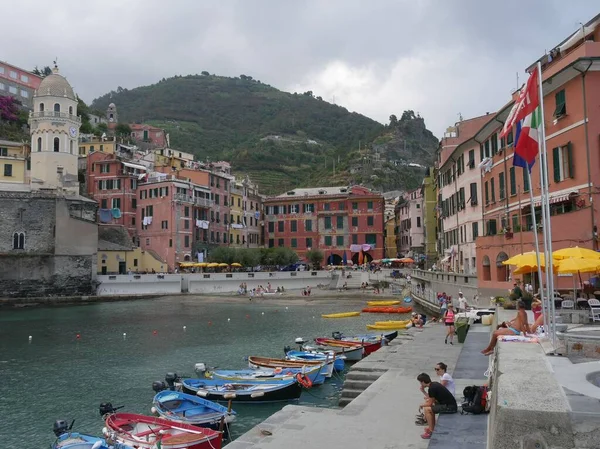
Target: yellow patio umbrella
{"x":575,"y":252}
{"x":235,"y":264}
{"x":186,"y":264}
{"x":223,"y":265}
{"x":572,"y":265}
{"x":212,"y":265}
{"x":525,"y":259}
{"x":201,"y":264}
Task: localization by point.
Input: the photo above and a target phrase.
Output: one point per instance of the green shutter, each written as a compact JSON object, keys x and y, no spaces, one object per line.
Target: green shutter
{"x":556,"y":164}
{"x":525,"y":181}
{"x":501,"y":186}
{"x":487,"y":196}
{"x":569,"y":155}
{"x":513,"y":181}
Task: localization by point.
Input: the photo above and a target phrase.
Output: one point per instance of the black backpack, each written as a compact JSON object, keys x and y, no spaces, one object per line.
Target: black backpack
{"x":475,"y":400}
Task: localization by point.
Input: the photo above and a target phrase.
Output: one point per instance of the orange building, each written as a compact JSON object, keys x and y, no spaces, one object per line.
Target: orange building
{"x":571,"y":87}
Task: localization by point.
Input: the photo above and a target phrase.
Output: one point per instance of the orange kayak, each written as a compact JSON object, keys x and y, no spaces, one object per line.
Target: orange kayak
{"x":387,"y":309}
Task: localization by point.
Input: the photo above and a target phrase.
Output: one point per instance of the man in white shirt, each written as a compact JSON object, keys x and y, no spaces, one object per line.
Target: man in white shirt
{"x":462,"y":303}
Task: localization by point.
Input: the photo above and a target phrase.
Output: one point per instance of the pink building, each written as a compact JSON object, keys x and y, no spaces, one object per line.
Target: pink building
{"x":149,"y":133}
{"x":173,"y":218}
{"x":220,"y":212}
{"x":18,"y":83}
{"x":409,"y":219}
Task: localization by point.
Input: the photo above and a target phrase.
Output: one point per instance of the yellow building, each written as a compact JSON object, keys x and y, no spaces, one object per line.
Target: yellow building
{"x":106,"y":145}
{"x":429,"y":203}
{"x":14,"y":160}
{"x":167,"y":157}
{"x":390,"y":238}
{"x":237,"y":227}
{"x":117,"y":255}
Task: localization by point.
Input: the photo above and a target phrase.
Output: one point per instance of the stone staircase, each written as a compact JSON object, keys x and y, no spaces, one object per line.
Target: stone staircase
{"x":358,"y":380}
{"x":358,"y":277}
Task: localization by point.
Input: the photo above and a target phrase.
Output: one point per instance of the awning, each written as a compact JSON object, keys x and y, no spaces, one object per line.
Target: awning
{"x":136,"y":166}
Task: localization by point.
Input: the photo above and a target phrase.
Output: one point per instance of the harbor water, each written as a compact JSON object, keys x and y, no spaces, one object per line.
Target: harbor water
{"x":80,"y":356}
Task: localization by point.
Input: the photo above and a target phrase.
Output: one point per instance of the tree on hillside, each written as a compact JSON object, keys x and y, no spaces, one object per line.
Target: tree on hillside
{"x":123,"y":130}
{"x":9,"y":109}
{"x":44,"y":72}
{"x":408,"y":115}
{"x":315,"y":256}
{"x":205,"y":73}
{"x":393,"y":121}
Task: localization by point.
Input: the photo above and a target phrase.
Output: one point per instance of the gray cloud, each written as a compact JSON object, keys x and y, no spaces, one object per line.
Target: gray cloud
{"x":375,"y":57}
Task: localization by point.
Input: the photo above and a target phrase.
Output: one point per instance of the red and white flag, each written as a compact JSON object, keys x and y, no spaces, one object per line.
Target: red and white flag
{"x":529,"y":99}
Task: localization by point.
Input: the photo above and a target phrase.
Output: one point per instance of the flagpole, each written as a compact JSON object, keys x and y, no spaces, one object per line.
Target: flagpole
{"x":547,"y":257}
{"x":546,"y":205}
{"x":537,"y":248}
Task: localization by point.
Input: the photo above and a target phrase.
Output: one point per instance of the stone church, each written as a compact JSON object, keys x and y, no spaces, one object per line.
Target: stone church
{"x":48,"y":232}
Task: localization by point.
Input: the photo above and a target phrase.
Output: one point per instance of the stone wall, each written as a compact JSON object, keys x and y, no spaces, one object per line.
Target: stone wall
{"x":59,"y":253}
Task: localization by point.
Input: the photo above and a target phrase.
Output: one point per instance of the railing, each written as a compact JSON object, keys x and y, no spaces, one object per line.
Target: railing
{"x":53,"y":114}
{"x":202,"y":202}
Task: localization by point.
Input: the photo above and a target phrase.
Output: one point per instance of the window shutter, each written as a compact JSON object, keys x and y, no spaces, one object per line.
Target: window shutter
{"x":525,"y":181}
{"x":480,"y":152}
{"x":556,"y":164}
{"x":513,"y":181}
{"x":570,"y":160}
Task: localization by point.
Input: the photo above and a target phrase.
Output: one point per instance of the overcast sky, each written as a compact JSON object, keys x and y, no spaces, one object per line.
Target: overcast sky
{"x":377,"y":57}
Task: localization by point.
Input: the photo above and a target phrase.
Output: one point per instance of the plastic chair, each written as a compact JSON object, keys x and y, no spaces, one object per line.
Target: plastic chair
{"x":594,"y":309}
{"x":567,"y":304}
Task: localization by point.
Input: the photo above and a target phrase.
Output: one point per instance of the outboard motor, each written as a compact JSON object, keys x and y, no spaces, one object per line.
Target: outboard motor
{"x":171,"y":378}
{"x":60,"y":427}
{"x":336,"y":335}
{"x":107,"y":408}
{"x":286,"y":349}
{"x":200,"y":369}
{"x":159,"y":386}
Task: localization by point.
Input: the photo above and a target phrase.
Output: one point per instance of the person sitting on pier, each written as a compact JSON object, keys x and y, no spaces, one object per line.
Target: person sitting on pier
{"x":438,"y":400}
{"x":416,"y":320}
{"x":514,"y":327}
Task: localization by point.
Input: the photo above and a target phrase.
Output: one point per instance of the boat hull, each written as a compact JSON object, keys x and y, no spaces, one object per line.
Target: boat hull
{"x":288,"y":391}
{"x":368,"y":348}
{"x":382,"y":303}
{"x":387,"y":309}
{"x":190,"y":409}
{"x":315,"y":374}
{"x":338,"y":363}
{"x":378,"y":326}
{"x":266,"y":362}
{"x":76,"y":440}
{"x":145,"y":432}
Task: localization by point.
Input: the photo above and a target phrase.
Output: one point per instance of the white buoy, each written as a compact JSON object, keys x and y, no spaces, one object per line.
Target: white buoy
{"x":228,"y":319}
{"x":153,"y":411}
{"x":263,"y":313}
{"x":184,"y":328}
{"x":286,"y":308}
{"x":124,"y":335}
{"x":30,"y":338}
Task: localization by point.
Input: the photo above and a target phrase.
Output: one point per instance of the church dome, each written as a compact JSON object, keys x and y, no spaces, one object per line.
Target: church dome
{"x":112,"y":106}
{"x":55,"y":85}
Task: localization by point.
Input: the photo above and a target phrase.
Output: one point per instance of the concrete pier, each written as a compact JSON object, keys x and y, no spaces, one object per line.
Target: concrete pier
{"x":383,"y":415}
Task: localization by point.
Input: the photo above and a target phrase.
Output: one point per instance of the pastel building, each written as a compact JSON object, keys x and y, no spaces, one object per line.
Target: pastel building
{"x":571,"y":86}
{"x":14,"y":162}
{"x":409,"y":217}
{"x":458,"y":188}
{"x":143,"y":132}
{"x":18,"y":83}
{"x":429,"y":213}
{"x":336,"y":220}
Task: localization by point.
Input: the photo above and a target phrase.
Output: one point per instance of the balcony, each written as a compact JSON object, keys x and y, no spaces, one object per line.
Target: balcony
{"x":54,"y":115}
{"x":200,"y":202}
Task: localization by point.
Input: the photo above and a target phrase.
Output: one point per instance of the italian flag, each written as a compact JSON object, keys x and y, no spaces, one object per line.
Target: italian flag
{"x":527,"y":140}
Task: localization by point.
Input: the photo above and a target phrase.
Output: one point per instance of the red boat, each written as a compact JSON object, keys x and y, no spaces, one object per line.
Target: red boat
{"x":368,"y":347}
{"x":148,"y":432}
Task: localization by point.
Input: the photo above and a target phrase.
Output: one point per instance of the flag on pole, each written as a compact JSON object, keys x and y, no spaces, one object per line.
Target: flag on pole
{"x":528,"y":101}
{"x":527,"y":140}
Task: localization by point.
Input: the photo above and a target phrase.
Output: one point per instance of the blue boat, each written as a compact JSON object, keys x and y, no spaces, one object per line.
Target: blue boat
{"x":316,"y":374}
{"x":338,"y":364}
{"x":65,"y":439}
{"x":187,"y":409}
{"x":247,"y":391}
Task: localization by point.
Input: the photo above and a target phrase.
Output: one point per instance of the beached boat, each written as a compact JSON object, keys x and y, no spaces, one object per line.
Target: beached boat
{"x":149,"y":432}
{"x":341,"y":315}
{"x":351,"y":354}
{"x":367,"y":347}
{"x":386,"y":325}
{"x":316,"y":374}
{"x":185,"y":408}
{"x":382,"y":303}
{"x":387,"y":309}
{"x":267,"y":362}
{"x":65,"y":439}
{"x":247,"y":391}
{"x":366,"y":338}
{"x":338,"y":363}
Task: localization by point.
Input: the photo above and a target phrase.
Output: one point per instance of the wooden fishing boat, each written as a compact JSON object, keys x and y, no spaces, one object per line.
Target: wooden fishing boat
{"x":247,"y":391}
{"x":185,"y":408}
{"x":382,"y":303}
{"x":368,"y":338}
{"x":341,"y":315}
{"x":338,"y":363}
{"x":267,"y":362}
{"x":148,"y":432}
{"x":352,"y":353}
{"x":316,"y":374}
{"x":65,"y":439}
{"x":367,"y":347}
{"x":387,"y":309}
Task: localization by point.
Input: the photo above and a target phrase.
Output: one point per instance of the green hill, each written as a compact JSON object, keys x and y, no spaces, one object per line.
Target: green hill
{"x":282,"y":140}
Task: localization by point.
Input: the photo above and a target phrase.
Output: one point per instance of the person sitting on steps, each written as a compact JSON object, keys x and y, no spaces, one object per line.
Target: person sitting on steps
{"x":437,"y":400}
{"x":514,"y":327}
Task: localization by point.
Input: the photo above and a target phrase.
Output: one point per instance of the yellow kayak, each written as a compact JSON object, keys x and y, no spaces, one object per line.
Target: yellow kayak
{"x":392,"y":322}
{"x":389,"y":325}
{"x":341,"y":315}
{"x":382,"y":303}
